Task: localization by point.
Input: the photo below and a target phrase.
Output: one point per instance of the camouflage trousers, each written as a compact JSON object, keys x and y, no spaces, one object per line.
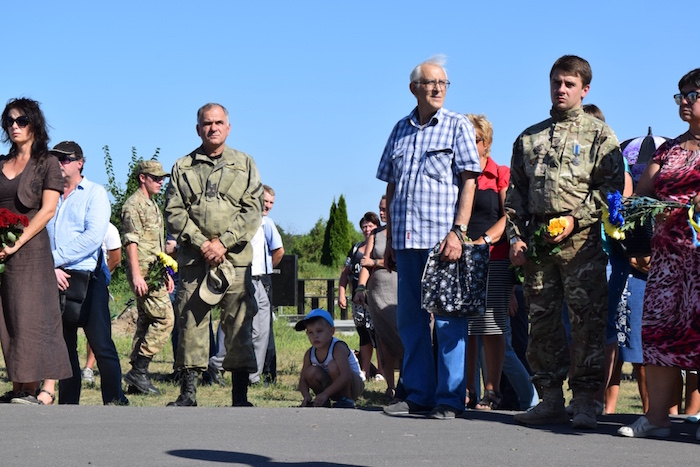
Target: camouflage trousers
{"x":577,"y":275}
{"x":154,"y":324}
{"x":237,"y":309}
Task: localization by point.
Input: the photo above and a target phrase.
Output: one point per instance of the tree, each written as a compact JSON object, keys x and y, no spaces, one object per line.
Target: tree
{"x":337,"y":239}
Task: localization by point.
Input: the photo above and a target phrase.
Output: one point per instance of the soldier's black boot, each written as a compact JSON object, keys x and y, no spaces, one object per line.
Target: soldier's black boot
{"x":240,"y":389}
{"x":188,"y":390}
{"x":138,"y":380}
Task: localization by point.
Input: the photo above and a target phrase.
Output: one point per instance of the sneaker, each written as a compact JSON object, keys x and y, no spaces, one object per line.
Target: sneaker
{"x":444,"y":412}
{"x":7,"y":397}
{"x":26,"y":399}
{"x":88,"y":375}
{"x":402,"y":408}
{"x":641,"y":428}
{"x":693,"y":418}
{"x":344,"y":403}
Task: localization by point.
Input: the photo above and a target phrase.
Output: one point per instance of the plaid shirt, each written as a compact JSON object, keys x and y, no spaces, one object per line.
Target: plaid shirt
{"x":424,"y":165}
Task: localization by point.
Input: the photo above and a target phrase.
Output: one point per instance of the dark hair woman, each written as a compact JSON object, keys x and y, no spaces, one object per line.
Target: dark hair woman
{"x":31,"y":330}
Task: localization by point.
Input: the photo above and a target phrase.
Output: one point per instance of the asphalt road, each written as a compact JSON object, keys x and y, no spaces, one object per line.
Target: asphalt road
{"x":208,"y":436}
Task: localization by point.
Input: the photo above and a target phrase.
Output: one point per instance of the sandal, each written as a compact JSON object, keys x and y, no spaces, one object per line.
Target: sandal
{"x":471,"y":400}
{"x":51,"y":395}
{"x":490,"y":401}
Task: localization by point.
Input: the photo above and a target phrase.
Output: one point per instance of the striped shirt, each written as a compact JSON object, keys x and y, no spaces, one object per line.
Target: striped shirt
{"x":424,"y":164}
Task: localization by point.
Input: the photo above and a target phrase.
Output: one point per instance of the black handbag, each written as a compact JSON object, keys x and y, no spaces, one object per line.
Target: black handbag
{"x":637,"y":240}
{"x":456,"y":289}
{"x":73,"y":297}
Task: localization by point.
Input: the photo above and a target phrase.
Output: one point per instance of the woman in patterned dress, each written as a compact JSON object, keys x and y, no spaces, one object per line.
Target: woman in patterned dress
{"x":671,"y":316}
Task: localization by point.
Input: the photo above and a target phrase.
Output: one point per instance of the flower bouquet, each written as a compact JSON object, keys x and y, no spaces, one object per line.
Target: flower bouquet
{"x":629,"y":220}
{"x":540,"y":247}
{"x":159,"y":270}
{"x":11,"y":227}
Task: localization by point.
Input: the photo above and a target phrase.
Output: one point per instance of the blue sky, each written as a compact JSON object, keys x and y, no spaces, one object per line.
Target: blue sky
{"x":314,"y":88}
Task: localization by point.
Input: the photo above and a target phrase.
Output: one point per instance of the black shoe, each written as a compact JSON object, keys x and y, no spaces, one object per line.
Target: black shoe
{"x":182,"y":401}
{"x":173,"y":378}
{"x":403,"y":408}
{"x":7,"y":397}
{"x":213,"y":376}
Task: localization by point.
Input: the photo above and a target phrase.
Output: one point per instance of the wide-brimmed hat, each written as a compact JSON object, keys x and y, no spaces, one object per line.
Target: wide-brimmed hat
{"x":216,"y":283}
{"x":316,"y":313}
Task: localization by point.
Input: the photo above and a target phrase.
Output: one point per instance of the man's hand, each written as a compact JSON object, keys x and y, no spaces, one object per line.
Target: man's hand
{"x":451,"y":248}
{"x":567,"y":231}
{"x":139,"y":285}
{"x":169,"y":284}
{"x":517,"y":253}
{"x":213,"y":252}
{"x":62,"y":279}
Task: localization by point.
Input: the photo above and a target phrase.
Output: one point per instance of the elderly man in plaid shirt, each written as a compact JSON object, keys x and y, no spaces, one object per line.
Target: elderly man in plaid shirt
{"x":430,"y":164}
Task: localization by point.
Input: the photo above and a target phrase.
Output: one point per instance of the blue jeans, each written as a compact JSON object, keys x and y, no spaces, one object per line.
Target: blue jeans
{"x":517,"y":374}
{"x":98,"y":330}
{"x":424,"y":385}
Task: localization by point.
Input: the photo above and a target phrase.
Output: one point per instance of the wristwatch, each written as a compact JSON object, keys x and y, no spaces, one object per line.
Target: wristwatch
{"x":487,"y":239}
{"x":461,"y":227}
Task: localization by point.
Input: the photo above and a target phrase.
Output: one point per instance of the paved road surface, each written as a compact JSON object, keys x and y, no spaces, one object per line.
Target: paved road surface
{"x":209,"y":436}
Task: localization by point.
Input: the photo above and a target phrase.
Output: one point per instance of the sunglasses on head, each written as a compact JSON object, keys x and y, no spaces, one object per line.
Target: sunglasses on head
{"x":21,"y":121}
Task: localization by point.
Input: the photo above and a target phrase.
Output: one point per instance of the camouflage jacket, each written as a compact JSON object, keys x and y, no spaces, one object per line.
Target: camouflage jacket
{"x":142,"y":223}
{"x":214,"y":198}
{"x":564,"y":165}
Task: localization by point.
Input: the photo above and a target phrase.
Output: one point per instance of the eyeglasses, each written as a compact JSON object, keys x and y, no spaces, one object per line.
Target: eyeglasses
{"x":434,"y":84}
{"x":156,"y":178}
{"x":21,"y":121}
{"x":691,"y":97}
{"x":65,"y":160}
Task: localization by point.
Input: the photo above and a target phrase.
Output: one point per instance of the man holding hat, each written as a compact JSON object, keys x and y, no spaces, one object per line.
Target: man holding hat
{"x":76,"y":231}
{"x":213,"y":208}
{"x":143,"y":239}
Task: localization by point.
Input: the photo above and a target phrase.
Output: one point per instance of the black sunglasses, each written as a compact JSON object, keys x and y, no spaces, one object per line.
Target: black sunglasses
{"x":65,"y":160}
{"x":21,"y":121}
{"x":156,"y":178}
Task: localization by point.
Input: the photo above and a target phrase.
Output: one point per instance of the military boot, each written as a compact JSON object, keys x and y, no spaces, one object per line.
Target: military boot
{"x":138,"y":380}
{"x":240,"y":389}
{"x":584,"y":411}
{"x":548,"y":412}
{"x":188,"y":390}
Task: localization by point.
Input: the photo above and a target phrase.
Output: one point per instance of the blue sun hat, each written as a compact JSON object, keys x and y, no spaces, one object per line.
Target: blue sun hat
{"x":316,"y":313}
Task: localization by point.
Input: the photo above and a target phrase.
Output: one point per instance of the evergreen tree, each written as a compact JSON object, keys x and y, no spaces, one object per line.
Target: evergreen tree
{"x":338,"y":238}
{"x":327,"y":258}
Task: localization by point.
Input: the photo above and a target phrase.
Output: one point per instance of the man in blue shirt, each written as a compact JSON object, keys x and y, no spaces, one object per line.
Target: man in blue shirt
{"x":76,"y":233}
{"x":430,"y":164}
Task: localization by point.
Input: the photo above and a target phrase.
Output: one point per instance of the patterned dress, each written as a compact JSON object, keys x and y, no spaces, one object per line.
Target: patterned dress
{"x":671,"y":317}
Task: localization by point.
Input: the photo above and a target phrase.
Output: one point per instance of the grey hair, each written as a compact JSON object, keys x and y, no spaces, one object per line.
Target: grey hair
{"x":436,"y":60}
{"x":208,"y":106}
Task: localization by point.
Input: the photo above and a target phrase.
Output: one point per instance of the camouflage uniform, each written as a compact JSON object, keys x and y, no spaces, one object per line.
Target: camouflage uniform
{"x":215,"y":198}
{"x":551,"y":178}
{"x":142,"y":223}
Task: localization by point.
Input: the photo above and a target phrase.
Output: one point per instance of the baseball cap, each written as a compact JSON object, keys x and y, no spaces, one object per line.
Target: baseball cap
{"x":152,"y":167}
{"x":66,"y":148}
{"x":316,"y":313}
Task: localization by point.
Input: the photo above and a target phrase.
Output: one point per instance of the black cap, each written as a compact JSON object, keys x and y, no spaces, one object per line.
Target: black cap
{"x":66,"y":148}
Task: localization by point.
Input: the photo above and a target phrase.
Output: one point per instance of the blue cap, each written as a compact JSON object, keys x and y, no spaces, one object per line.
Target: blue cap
{"x":317,"y":313}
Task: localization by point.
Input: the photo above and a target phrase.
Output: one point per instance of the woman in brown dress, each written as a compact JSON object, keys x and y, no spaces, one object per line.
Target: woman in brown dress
{"x":31,"y":329}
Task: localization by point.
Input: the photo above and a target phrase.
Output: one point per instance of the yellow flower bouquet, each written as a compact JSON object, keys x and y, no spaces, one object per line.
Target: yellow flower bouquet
{"x":163,"y":266}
